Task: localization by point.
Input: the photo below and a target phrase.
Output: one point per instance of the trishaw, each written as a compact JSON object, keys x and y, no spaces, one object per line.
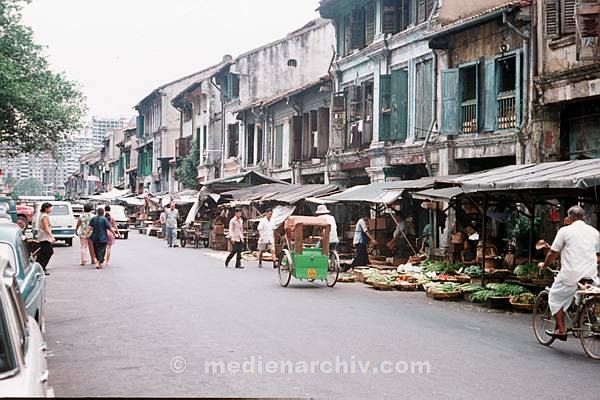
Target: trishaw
{"x":304,"y":262}
{"x":195,"y":233}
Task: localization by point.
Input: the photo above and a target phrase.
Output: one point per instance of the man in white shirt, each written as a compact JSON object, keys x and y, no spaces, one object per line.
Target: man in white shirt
{"x":578,"y":245}
{"x":323,"y":212}
{"x":361,"y":240}
{"x":266,"y":239}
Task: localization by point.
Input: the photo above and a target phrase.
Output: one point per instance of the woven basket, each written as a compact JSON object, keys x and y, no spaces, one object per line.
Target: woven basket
{"x":522,"y":308}
{"x":407,"y":287}
{"x":381,"y":286}
{"x":463,"y":279}
{"x":445,"y":296}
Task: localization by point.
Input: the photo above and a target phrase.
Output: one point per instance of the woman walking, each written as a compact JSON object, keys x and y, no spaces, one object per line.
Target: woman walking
{"x":84,"y":231}
{"x":111,"y":234}
{"x":101,"y":227}
{"x":45,"y":237}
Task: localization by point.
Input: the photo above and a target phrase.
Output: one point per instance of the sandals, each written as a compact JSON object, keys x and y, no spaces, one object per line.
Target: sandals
{"x":562,"y":337}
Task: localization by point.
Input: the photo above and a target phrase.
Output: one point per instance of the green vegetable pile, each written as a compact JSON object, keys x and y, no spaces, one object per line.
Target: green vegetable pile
{"x":470,"y":288}
{"x":482,"y":296}
{"x":527,"y":271}
{"x":446,"y":287}
{"x":505,"y":289}
{"x":441,"y":268}
{"x":473,"y":271}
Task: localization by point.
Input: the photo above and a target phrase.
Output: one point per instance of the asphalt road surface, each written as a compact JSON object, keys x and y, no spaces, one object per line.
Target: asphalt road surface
{"x":175,"y":322}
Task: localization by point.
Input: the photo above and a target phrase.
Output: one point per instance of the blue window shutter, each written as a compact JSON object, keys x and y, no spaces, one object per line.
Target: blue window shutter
{"x":489,"y":107}
{"x":140,"y":126}
{"x":450,"y":101}
{"x":400,"y":102}
{"x":518,"y":88}
{"x":385,"y":105}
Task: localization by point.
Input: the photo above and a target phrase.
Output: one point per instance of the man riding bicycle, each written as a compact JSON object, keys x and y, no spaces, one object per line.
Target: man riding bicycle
{"x":579,"y":247}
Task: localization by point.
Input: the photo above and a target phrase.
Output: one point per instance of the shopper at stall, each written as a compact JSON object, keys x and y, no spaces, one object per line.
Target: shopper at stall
{"x":45,"y":237}
{"x":578,"y":245}
{"x":266,"y":239}
{"x":171,"y":221}
{"x":236,"y":234}
{"x":324,"y":213}
{"x":361,"y":239}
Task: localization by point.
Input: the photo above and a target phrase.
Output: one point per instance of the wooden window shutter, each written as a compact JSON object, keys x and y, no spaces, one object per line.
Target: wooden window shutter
{"x":450,"y":105}
{"x":551,"y":18}
{"x":139,"y":126}
{"x":399,"y":118}
{"x":567,"y":16}
{"x":306,"y":137}
{"x":278,"y":145}
{"x":370,"y":23}
{"x":385,"y":95}
{"x":296,"y":138}
{"x":389,"y":18}
{"x":323,"y":129}
{"x":358,"y":28}
{"x":339,"y":102}
{"x":489,"y":105}
{"x":421,"y":11}
{"x":235,"y":86}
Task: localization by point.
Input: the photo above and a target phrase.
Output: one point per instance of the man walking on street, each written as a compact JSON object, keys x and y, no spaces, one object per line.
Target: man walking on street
{"x":236,"y":234}
{"x":578,"y":245}
{"x":163,"y":221}
{"x":171,"y":218}
{"x":266,"y":239}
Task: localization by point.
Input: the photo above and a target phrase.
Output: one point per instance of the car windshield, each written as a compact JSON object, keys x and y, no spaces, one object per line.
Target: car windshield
{"x":60,"y":210}
{"x":118,"y":213}
{"x":7,"y":360}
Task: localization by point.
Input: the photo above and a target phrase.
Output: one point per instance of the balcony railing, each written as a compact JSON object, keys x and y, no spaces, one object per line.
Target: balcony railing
{"x":469,"y":116}
{"x":507,"y":117}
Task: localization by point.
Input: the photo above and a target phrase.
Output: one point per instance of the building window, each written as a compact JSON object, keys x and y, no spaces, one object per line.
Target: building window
{"x":292,"y":63}
{"x":360,"y":115}
{"x":423,"y":98}
{"x":424,"y":9}
{"x":250,"y":144}
{"x":259,"y":144}
{"x":231,"y":86}
{"x":278,"y":162}
{"x":204,"y":143}
{"x":396,"y":15}
{"x":233,"y":140}
{"x":359,"y":28}
{"x":559,"y":17}
{"x":469,"y":98}
{"x":508,"y":87}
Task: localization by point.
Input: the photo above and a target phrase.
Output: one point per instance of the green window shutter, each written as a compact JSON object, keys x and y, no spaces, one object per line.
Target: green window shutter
{"x":140,"y":126}
{"x":518,"y":89}
{"x":489,"y":107}
{"x":385,"y":105}
{"x":278,"y":145}
{"x":400,"y":104}
{"x":450,"y":101}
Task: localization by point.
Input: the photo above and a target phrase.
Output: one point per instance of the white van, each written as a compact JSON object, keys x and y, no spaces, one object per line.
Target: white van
{"x":62,"y":221}
{"x":120,"y":216}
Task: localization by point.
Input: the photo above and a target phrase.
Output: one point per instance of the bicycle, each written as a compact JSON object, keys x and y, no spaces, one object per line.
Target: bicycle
{"x":582,"y":318}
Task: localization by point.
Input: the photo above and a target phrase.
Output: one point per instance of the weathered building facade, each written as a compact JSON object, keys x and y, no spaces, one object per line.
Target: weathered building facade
{"x":567,"y":83}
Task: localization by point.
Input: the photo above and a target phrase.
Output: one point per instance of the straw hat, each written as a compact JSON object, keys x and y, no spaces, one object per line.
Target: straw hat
{"x":322,"y":209}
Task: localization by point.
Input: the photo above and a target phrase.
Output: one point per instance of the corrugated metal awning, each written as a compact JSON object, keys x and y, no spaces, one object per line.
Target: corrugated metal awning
{"x":380,"y":192}
{"x":280,"y":193}
{"x":444,"y":194}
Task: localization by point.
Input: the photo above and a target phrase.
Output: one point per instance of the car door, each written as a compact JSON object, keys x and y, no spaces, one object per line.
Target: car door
{"x":32,"y":283}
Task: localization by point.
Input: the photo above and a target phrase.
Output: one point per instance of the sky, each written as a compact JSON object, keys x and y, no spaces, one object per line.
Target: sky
{"x":120,"y":50}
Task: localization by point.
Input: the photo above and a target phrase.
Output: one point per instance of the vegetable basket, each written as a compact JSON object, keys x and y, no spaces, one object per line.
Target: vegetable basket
{"x":499,"y":302}
{"x":380,"y":286}
{"x":445,"y":295}
{"x":522,"y":308}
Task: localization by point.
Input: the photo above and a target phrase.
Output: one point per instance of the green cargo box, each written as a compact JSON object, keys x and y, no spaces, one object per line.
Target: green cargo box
{"x":311,"y":264}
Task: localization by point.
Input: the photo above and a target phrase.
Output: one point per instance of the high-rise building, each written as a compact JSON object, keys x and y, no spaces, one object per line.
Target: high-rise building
{"x":101,"y":126}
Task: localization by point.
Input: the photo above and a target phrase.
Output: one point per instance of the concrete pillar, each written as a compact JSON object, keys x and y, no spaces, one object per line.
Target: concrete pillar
{"x":376,"y":174}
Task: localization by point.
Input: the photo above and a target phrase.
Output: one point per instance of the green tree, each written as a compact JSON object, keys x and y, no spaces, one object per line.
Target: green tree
{"x":10,"y":180}
{"x":187,"y":171}
{"x":38,"y":107}
{"x":28,"y":187}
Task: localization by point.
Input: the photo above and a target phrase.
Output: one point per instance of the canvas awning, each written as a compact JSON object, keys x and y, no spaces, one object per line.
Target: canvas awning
{"x":247,"y":179}
{"x":379,"y":192}
{"x":559,"y":177}
{"x":280,"y":193}
{"x":443,"y":194}
{"x":113,"y":195}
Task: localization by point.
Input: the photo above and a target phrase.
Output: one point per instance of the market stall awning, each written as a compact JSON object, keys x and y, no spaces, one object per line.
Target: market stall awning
{"x":280,"y":193}
{"x":113,"y":195}
{"x":559,"y":176}
{"x":247,"y":179}
{"x":443,"y":194}
{"x":380,"y":192}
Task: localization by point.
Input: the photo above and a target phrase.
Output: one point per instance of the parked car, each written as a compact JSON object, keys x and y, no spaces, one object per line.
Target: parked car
{"x":29,"y":274}
{"x":77,"y":210}
{"x":23,"y":365}
{"x":24,"y":215}
{"x":9,"y":207}
{"x":62,"y":221}
{"x":120,"y":216}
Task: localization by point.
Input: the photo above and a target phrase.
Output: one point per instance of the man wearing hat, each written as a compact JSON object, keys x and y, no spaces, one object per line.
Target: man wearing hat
{"x":323,"y":212}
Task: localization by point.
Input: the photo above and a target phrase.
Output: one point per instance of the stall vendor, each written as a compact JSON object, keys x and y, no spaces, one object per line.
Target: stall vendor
{"x":361,"y":239}
{"x":404,"y":229}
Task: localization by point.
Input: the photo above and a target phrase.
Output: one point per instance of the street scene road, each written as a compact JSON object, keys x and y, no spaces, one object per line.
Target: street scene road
{"x":116,"y":332}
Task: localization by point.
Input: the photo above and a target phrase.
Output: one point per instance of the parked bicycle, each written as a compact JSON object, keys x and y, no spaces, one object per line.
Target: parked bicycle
{"x":582,"y":318}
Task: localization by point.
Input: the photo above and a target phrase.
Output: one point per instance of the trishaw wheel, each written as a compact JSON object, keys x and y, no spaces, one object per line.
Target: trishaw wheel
{"x":333,"y":271}
{"x":589,"y":323}
{"x":183,"y":242}
{"x":284,"y":269}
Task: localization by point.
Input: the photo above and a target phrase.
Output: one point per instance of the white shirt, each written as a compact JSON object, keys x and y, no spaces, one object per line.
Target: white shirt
{"x":361,"y":226}
{"x":265,"y":231}
{"x":578,"y":245}
{"x":333,"y":236}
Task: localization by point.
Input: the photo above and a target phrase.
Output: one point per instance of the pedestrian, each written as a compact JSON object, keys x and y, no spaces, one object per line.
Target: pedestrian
{"x":323,"y":212}
{"x":266,"y":239}
{"x":163,"y":223}
{"x":100,"y":226}
{"x":84,"y":231}
{"x":171,"y":221}
{"x":361,"y":239}
{"x":45,"y":237}
{"x":111,"y":234}
{"x":236,"y":234}
{"x":578,"y":245}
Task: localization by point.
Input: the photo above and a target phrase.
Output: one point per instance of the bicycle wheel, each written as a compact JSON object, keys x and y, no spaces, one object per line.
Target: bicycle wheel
{"x":284,"y":268}
{"x":333,"y":270}
{"x":589,"y":325}
{"x":543,"y":320}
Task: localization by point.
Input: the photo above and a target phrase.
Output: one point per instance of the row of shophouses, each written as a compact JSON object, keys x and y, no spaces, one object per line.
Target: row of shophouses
{"x":377,"y":90}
